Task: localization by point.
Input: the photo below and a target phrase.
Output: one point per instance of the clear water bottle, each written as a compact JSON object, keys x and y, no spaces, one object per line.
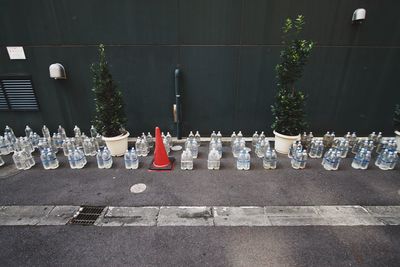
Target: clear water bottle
{"x":107,"y":158}
{"x":4,"y":146}
{"x":316,"y":149}
{"x":197,"y":137}
{"x":19,"y":160}
{"x":331,"y":159}
{"x":262,"y":147}
{"x":299,"y":158}
{"x":100,"y":141}
{"x":93,"y":131}
{"x":46,"y":132}
{"x":366,"y":158}
{"x":192,"y":145}
{"x":61,"y":131}
{"x":214,"y":159}
{"x":358,"y":158}
{"x":243,"y":160}
{"x":343,"y":148}
{"x":89,"y":147}
{"x":372,"y":136}
{"x":187,"y":159}
{"x":146,"y":147}
{"x":149,"y":139}
{"x":49,"y":159}
{"x":28,"y":131}
{"x":303,"y":139}
{"x":213,"y":135}
{"x":219,"y":136}
{"x":238,"y":145}
{"x":381,"y":146}
{"x":357,"y":146}
{"x":8,"y":129}
{"x":80,"y":158}
{"x":353,"y":139}
{"x":166,"y":145}
{"x":254,"y":139}
{"x":377,"y":139}
{"x":392,"y":145}
{"x":326,"y":138}
{"x":77,"y":131}
{"x":67,"y":146}
{"x":191,"y":136}
{"x":99,"y":158}
{"x":169,"y":139}
{"x":1,"y":162}
{"x":131,"y":159}
{"x":233,"y":138}
{"x":71,"y":159}
{"x":138,"y":146}
{"x":270,"y":159}
{"x":35,"y":140}
{"x":29,"y":160}
{"x":296,"y":145}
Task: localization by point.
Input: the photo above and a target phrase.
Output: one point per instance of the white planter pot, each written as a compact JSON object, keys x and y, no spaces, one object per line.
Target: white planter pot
{"x":398,"y":140}
{"x":117,"y":144}
{"x":283,"y":142}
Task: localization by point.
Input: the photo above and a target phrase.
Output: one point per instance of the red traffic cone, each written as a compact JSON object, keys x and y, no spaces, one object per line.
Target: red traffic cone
{"x":161,"y":161}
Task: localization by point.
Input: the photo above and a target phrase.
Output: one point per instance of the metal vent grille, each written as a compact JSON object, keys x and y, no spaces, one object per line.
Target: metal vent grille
{"x":17,"y":94}
{"x":87,"y":215}
{"x":3,"y":100}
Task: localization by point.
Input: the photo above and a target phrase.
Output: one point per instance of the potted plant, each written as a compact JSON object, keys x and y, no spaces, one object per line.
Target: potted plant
{"x":396,"y":122}
{"x":288,"y":110}
{"x":110,"y":118}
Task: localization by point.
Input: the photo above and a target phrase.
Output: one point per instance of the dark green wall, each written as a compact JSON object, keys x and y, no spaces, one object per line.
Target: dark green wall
{"x":227,"y":50}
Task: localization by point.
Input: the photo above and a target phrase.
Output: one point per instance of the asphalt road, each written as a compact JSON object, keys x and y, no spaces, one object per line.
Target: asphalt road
{"x":226,"y":187}
{"x":199,"y":246}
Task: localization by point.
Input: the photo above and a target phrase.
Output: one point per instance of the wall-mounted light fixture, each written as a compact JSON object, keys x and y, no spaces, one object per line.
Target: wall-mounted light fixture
{"x":57,"y":71}
{"x":359,"y":15}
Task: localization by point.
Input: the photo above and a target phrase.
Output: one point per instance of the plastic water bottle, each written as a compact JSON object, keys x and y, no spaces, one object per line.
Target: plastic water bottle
{"x":169,"y":139}
{"x":254,"y":139}
{"x":187,"y":158}
{"x":28,"y":131}
{"x":131,"y":159}
{"x":19,"y":160}
{"x":71,"y":158}
{"x":192,"y":145}
{"x":316,"y":149}
{"x":46,"y":132}
{"x":243,"y":160}
{"x":107,"y":159}
{"x":35,"y":140}
{"x":190,"y":136}
{"x":238,"y":145}
{"x":89,"y":146}
{"x":326,"y":138}
{"x":213,"y":135}
{"x":270,"y":159}
{"x":80,"y":158}
{"x":1,"y":162}
{"x":99,"y":158}
{"x":61,"y":131}
{"x":5,"y":148}
{"x":149,"y":139}
{"x":343,"y":148}
{"x":357,"y":146}
{"x":93,"y":131}
{"x":49,"y":159}
{"x":219,"y":136}
{"x":296,"y":145}
{"x":366,"y":158}
{"x":233,"y":138}
{"x":299,"y":158}
{"x":166,"y":145}
{"x":358,"y":159}
{"x":197,"y":137}
{"x":213,"y":162}
{"x":262,"y":147}
{"x":331,"y":159}
{"x":77,"y":131}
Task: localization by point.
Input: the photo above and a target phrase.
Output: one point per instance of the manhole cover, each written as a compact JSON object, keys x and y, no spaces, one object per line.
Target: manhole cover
{"x":87,"y":215}
{"x":138,"y":188}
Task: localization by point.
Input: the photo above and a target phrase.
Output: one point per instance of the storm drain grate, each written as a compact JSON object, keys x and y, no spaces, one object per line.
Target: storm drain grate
{"x":87,"y":215}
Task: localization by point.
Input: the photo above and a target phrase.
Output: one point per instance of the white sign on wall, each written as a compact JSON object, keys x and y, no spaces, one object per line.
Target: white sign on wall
{"x":16,"y":52}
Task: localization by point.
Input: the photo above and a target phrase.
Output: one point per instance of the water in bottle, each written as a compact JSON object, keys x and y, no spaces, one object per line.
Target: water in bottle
{"x":93,"y":131}
{"x":192,"y":145}
{"x":61,"y":131}
{"x":233,"y":138}
{"x":89,"y":147}
{"x":131,"y":159}
{"x":46,"y":132}
{"x":270,"y":159}
{"x":99,"y":158}
{"x":254,"y":139}
{"x":296,"y":145}
{"x":243,"y":160}
{"x":28,"y":131}
{"x":107,"y":158}
{"x":197,"y":137}
{"x":214,"y":159}
{"x":149,"y":139}
{"x":187,"y":158}
{"x":262,"y":147}
{"x":35,"y":139}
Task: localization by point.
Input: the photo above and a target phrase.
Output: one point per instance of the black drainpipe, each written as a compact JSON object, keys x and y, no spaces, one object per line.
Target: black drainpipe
{"x":177,"y":111}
